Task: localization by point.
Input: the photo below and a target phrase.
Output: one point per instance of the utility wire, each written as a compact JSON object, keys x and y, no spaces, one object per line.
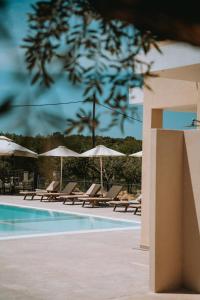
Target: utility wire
{"x":130,"y":117}
{"x":73,"y":102}
{"x":45,"y":104}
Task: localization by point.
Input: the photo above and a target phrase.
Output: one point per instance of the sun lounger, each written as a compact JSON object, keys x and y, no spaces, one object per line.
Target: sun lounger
{"x":68,"y":190}
{"x":52,"y":187}
{"x":109,"y":196}
{"x":91,"y":192}
{"x":136,"y":203}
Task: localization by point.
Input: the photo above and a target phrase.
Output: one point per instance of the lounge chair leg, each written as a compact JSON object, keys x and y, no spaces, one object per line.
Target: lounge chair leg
{"x":83,"y":203}
{"x":126,"y":207}
{"x":41,"y":199}
{"x":114,"y":208}
{"x":32,"y":197}
{"x":136,"y":210}
{"x":24,"y":197}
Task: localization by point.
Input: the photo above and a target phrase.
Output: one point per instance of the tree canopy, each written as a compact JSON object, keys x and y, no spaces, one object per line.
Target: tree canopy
{"x":172,"y":19}
{"x":125,"y":170}
{"x":107,"y":35}
{"x":70,"y":38}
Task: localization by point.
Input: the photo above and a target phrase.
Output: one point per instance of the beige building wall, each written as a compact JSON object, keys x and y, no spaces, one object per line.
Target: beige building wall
{"x":191,"y":211}
{"x":166,"y":210}
{"x":175,"y":210}
{"x":171,"y":170}
{"x":166,"y":94}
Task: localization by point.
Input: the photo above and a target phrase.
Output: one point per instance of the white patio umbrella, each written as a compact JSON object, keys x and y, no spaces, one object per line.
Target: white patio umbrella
{"x":137,"y":154}
{"x":10,"y":148}
{"x":61,"y":151}
{"x":101,"y":151}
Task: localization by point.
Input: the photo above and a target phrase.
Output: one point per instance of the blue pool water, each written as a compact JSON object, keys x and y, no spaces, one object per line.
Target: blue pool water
{"x":21,"y":221}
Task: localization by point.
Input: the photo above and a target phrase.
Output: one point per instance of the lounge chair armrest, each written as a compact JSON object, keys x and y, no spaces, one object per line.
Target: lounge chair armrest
{"x":119,"y":202}
{"x":77,"y":193}
{"x":134,"y":205}
{"x":71,"y":196}
{"x":94,"y":198}
{"x":134,"y":202}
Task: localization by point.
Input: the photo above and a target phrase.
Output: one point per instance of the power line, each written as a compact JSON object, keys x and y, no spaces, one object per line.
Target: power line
{"x":120,"y":113}
{"x":45,"y":104}
{"x":73,"y":102}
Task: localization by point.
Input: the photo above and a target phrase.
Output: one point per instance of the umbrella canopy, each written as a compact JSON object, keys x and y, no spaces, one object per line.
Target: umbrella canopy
{"x":101,"y":151}
{"x":137,"y":154}
{"x":9,"y":148}
{"x":60,"y":151}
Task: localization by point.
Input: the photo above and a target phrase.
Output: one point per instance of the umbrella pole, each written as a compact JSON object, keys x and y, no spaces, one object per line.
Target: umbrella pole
{"x":61,"y":170}
{"x":101,"y":168}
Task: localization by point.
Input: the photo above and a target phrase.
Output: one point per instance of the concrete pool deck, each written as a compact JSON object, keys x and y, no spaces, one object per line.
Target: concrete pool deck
{"x":86,"y":266}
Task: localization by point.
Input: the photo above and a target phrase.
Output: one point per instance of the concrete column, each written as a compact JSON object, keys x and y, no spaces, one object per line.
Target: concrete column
{"x":166,"y":93}
{"x":156,"y":118}
{"x":166,"y":210}
{"x":175,"y":211}
{"x":191,"y":212}
{"x":153,"y":118}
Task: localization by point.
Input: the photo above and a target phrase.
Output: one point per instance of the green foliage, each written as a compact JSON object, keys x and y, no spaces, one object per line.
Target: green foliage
{"x":91,"y":52}
{"x":125,"y":170}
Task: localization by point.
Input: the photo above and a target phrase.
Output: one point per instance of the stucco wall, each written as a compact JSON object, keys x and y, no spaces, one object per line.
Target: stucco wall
{"x":167,"y":94}
{"x":166,"y":210}
{"x":191,"y":211}
{"x":175,"y":210}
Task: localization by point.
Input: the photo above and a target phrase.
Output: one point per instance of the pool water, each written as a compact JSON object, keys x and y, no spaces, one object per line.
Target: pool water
{"x":18,"y":221}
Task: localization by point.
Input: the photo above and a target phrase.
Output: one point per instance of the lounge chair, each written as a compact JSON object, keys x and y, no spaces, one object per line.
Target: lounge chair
{"x":137,"y":207}
{"x":55,"y":196}
{"x":136,"y":203}
{"x":109,"y":196}
{"x":91,"y":192}
{"x":52,"y":187}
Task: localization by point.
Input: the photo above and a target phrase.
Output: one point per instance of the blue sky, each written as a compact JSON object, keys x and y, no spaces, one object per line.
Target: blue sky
{"x":15,"y":80}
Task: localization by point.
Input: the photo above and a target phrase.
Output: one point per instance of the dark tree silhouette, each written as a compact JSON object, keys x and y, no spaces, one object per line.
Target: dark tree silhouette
{"x":169,"y":19}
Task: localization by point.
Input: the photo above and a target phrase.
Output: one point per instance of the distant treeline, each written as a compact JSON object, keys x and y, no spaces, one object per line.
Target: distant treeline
{"x":117,"y":169}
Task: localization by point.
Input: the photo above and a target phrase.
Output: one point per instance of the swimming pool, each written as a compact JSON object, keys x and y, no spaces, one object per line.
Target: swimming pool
{"x":18,"y":221}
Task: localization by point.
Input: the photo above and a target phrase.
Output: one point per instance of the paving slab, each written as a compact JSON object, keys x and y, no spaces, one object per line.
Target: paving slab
{"x":87,"y":266}
{"x":96,"y":266}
